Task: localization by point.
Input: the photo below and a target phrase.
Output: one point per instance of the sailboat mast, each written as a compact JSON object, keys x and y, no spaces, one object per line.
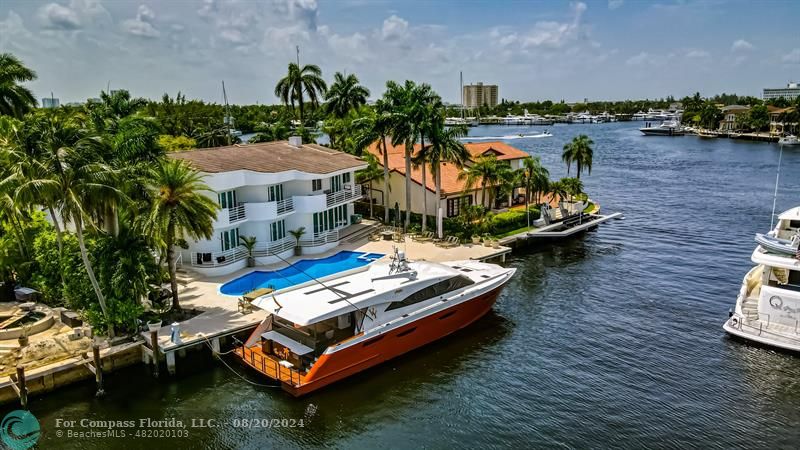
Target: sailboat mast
{"x":227,"y":119}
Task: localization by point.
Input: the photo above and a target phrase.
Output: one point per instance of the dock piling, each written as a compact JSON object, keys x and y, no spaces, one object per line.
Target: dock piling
{"x":154,"y":345}
{"x":170,"y":362}
{"x":98,"y":370}
{"x":20,"y":388}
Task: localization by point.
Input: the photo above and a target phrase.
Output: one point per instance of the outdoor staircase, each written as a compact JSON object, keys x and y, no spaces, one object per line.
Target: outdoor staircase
{"x":557,"y":215}
{"x":361,"y":233}
{"x":750,"y":309}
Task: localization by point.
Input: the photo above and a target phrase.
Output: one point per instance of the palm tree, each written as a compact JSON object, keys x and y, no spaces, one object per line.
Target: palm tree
{"x":345,"y":94}
{"x":445,"y":147}
{"x":298,"y":80}
{"x":15,"y":99}
{"x":557,"y":191}
{"x":375,"y":128}
{"x":536,"y":178}
{"x":580,"y":152}
{"x":487,"y":171}
{"x":179,"y":209}
{"x":572,"y":186}
{"x":373,"y":172}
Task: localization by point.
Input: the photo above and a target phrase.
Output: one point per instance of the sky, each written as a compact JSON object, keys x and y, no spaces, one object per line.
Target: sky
{"x":534,"y":50}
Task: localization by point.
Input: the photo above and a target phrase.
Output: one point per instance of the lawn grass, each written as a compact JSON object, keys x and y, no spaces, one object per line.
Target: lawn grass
{"x":518,"y":230}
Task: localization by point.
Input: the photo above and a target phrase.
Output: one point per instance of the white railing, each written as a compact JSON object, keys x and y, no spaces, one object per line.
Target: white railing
{"x":216,"y":259}
{"x":325,"y":237}
{"x":285,"y":206}
{"x":237,"y":213}
{"x":349,"y":193}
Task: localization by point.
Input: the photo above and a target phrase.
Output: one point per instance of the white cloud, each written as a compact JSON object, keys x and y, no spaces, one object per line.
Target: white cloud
{"x":58,"y":17}
{"x":550,"y":34}
{"x":614,"y":4}
{"x":641,"y":59}
{"x":695,"y":53}
{"x":353,"y":46}
{"x":232,"y":35}
{"x":793,"y":57}
{"x":142,"y":25}
{"x":394,"y":28}
{"x":741,"y":46}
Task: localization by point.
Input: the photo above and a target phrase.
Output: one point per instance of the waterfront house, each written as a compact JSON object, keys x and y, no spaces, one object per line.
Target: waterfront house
{"x":729,"y":117}
{"x":454,"y":194}
{"x":777,"y":120}
{"x":267,"y":189}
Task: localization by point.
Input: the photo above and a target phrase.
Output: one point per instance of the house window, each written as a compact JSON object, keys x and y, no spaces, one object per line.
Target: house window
{"x":277,"y":230}
{"x":336,"y":183}
{"x":227,"y":199}
{"x":434,"y":290}
{"x":275,"y":193}
{"x":346,"y":177}
{"x":316,"y":185}
{"x":330,"y":219}
{"x":229,"y":239}
{"x":455,"y":205}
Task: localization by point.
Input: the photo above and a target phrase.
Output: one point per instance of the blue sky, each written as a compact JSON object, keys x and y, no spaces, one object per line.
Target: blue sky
{"x":534,"y":50}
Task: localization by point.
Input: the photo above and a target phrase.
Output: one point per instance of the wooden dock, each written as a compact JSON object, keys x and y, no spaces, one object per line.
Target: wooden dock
{"x":560,"y":230}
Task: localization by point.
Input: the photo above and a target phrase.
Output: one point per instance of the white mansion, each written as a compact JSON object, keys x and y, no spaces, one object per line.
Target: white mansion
{"x":265,"y":190}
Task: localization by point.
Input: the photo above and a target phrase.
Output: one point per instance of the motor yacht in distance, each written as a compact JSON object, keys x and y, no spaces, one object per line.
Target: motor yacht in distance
{"x":789,"y":140}
{"x":768,"y":306}
{"x":323,"y":331}
{"x":667,"y":128}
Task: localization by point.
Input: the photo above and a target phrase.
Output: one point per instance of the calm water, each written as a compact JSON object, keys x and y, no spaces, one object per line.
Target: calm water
{"x":612,"y":339}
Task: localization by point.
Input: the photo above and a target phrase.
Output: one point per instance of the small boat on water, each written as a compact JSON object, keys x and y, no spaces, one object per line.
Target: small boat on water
{"x":316,"y":334}
{"x":767,"y":308}
{"x":667,"y":128}
{"x":706,"y":134}
{"x":778,"y":245}
{"x":789,"y":140}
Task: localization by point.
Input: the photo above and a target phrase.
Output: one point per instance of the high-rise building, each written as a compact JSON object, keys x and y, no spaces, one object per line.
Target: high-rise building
{"x":477,"y":95}
{"x":790,"y":92}
{"x":50,"y":102}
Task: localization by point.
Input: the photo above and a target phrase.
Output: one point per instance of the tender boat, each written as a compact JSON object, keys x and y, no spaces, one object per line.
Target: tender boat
{"x":323,"y":331}
{"x":705,"y":134}
{"x":778,"y":245}
{"x":667,"y":128}
{"x":789,"y":140}
{"x":768,"y":305}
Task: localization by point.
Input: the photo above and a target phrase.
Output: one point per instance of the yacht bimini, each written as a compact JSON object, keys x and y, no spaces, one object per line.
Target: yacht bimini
{"x":768,"y":306}
{"x":320,"y":332}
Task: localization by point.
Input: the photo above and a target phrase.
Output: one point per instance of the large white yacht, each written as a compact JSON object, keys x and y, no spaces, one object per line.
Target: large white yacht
{"x":320,"y":332}
{"x":768,"y":306}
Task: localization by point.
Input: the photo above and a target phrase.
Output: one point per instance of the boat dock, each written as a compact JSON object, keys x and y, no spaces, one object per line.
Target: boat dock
{"x":560,"y":230}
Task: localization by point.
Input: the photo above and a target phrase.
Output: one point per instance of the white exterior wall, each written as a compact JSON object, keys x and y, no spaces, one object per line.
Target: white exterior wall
{"x":252,"y":191}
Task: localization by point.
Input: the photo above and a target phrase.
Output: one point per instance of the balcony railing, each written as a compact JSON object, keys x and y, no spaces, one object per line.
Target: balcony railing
{"x":325,"y":237}
{"x":224,"y":258}
{"x":349,"y":193}
{"x":255,"y":211}
{"x":285,"y":206}
{"x":237,"y":213}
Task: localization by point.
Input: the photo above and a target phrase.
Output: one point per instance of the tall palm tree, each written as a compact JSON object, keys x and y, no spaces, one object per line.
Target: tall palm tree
{"x":15,"y":99}
{"x":536,"y":178}
{"x":308,"y":80}
{"x":179,"y":208}
{"x":579,"y":151}
{"x":372,"y":173}
{"x":373,"y":128}
{"x":445,"y":147}
{"x":345,"y":94}
{"x":486,"y":171}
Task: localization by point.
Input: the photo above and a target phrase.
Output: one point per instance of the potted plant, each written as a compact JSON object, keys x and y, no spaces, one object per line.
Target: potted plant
{"x":476,"y":239}
{"x":298,"y":233}
{"x":153,"y":325}
{"x":487,"y":240}
{"x":23,"y":337}
{"x":249,"y":243}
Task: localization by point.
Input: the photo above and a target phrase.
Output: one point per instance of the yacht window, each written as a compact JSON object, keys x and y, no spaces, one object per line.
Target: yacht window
{"x":434,"y":290}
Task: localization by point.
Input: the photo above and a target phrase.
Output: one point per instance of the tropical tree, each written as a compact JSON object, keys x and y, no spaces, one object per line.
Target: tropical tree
{"x":536,"y":178}
{"x":486,"y":171}
{"x":445,"y":147}
{"x":278,"y":131}
{"x":373,"y":128}
{"x":558,"y":191}
{"x":579,"y":151}
{"x":179,"y":208}
{"x":373,"y":172}
{"x":15,"y":99}
{"x":344,"y":95}
{"x":571,"y":186}
{"x":308,"y":80}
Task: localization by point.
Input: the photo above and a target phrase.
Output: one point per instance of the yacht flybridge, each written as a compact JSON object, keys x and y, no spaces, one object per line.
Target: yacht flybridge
{"x":768,"y":306}
{"x":319,"y":332}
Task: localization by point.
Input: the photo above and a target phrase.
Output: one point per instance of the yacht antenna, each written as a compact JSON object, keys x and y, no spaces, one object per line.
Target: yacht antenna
{"x":227,"y":119}
{"x":775,"y":196}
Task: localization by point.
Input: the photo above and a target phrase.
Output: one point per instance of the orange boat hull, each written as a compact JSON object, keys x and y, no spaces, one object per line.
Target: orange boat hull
{"x":332,"y":367}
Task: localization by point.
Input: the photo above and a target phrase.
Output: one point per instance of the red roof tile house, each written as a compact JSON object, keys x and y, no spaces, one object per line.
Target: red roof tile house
{"x":454,"y":194}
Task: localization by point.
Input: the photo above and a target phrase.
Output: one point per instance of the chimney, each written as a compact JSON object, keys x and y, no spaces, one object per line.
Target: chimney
{"x":296,"y":141}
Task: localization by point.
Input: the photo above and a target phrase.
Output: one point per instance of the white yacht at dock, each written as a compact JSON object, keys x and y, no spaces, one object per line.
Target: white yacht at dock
{"x":768,"y":306}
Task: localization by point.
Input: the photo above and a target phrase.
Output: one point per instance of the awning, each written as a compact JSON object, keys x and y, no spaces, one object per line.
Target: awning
{"x":294,"y":346}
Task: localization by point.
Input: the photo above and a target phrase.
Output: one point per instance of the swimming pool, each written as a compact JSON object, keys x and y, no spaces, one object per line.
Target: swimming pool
{"x":299,"y":272}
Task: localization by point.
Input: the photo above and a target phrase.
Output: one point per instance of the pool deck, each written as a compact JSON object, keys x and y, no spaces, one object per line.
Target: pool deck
{"x":221,"y":317}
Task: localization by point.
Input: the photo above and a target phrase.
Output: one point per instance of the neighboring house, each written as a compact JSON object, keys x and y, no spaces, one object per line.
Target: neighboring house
{"x":730,"y":113}
{"x":265,"y":190}
{"x":776,"y":124}
{"x":454,"y":193}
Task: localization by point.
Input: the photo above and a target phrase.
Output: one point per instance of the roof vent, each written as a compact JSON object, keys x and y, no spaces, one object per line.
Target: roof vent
{"x":295,"y":141}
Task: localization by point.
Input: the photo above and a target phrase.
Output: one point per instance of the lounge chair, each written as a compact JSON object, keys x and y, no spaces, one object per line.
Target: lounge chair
{"x":375,"y":237}
{"x":398,"y":237}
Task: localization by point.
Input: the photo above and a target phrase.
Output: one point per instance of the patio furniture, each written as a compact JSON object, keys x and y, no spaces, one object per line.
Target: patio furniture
{"x":387,"y":235}
{"x":375,"y":237}
{"x":244,"y":306}
{"x":398,"y":237}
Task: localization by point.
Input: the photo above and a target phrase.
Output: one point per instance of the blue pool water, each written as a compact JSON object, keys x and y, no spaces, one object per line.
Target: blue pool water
{"x":299,"y":272}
